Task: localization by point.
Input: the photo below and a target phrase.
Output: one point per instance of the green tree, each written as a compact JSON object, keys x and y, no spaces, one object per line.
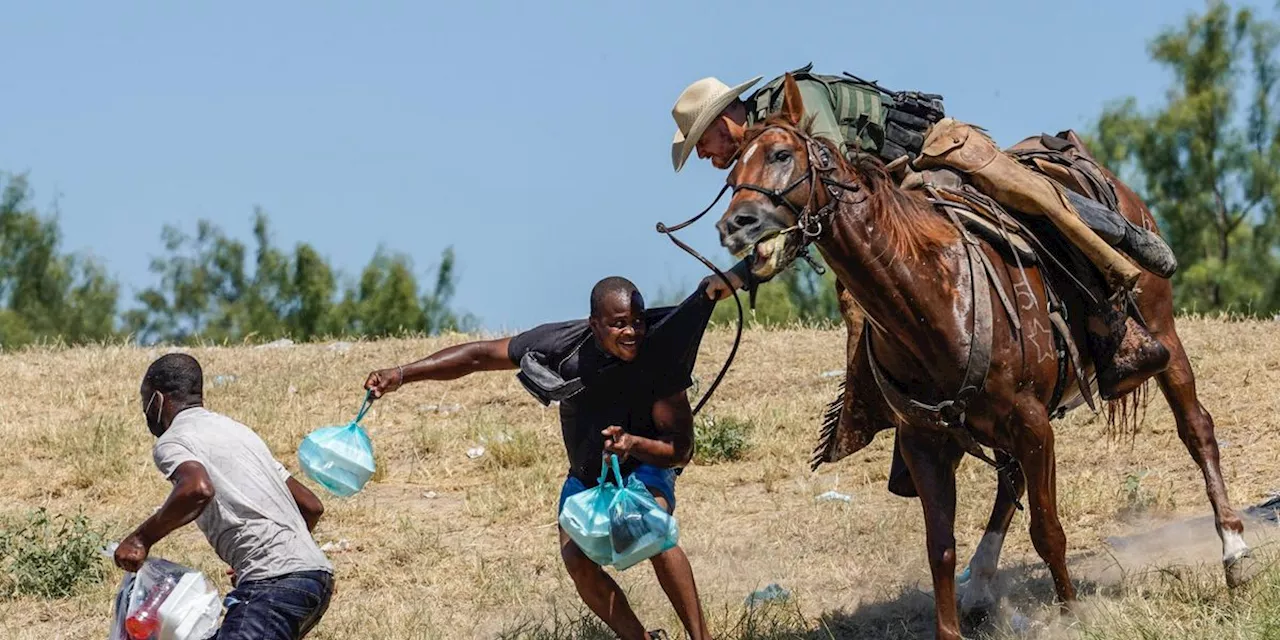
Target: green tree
{"x":386,"y":301}
{"x":1207,"y":160}
{"x":208,"y":290}
{"x":44,"y":294}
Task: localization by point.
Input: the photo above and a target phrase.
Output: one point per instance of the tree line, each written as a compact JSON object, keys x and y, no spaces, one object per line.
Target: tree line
{"x":211,"y":288}
{"x":1205,"y":158}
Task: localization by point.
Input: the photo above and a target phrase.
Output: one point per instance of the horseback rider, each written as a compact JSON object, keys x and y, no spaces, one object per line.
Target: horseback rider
{"x":910,"y":133}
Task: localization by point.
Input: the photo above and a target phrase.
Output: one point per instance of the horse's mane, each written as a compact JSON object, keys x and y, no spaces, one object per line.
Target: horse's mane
{"x":909,"y":224}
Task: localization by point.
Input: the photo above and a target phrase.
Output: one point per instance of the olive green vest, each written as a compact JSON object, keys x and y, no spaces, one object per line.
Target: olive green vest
{"x":857,"y":115}
{"x":858,"y":112}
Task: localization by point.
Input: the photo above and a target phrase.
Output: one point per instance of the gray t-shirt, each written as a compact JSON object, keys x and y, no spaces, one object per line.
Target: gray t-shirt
{"x":252,"y":522}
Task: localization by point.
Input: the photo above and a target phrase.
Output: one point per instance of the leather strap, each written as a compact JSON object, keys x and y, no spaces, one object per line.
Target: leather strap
{"x":950,"y":412}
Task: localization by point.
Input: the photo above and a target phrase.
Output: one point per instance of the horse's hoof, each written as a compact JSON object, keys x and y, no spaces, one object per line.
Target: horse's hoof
{"x":1241,"y":569}
{"x":978,"y":618}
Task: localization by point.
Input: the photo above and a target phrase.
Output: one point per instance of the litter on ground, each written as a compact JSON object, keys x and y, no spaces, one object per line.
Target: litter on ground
{"x":834,"y":496}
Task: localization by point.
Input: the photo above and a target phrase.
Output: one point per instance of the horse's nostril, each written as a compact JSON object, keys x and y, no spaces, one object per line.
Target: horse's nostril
{"x":743,"y":220}
{"x":724,"y":227}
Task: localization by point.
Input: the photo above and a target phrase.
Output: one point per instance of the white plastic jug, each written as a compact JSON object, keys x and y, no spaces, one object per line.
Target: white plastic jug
{"x":191,"y":610}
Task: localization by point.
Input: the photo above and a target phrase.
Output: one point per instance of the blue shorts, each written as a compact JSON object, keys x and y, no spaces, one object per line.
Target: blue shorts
{"x":655,"y":478}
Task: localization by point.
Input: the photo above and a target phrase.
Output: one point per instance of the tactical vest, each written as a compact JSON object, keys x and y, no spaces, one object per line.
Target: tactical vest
{"x":872,"y":119}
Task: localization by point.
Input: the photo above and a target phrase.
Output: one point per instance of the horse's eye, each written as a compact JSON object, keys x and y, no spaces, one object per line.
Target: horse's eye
{"x":781,"y":156}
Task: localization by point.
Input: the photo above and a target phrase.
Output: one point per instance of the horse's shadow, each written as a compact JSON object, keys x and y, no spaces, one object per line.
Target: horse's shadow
{"x":908,"y":614}
{"x":1025,"y":611}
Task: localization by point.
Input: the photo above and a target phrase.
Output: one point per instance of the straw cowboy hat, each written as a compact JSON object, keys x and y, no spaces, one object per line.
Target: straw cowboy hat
{"x":695,"y":110}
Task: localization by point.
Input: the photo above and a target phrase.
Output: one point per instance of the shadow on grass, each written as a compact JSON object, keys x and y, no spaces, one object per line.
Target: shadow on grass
{"x":905,"y":615}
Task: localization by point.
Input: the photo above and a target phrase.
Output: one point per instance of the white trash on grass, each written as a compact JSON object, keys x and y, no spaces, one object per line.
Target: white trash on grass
{"x":834,"y":496}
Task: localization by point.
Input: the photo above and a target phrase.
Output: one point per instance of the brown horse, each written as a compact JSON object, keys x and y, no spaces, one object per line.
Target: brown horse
{"x":926,"y":287}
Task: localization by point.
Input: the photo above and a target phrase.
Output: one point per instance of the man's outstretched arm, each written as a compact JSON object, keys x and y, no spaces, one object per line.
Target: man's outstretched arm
{"x":447,"y":364}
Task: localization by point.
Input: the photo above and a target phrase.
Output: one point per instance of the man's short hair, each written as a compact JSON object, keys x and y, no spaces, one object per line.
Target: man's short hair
{"x":613,"y":285}
{"x":176,"y":375}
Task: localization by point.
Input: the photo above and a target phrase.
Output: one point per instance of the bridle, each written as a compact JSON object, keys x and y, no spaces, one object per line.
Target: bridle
{"x":808,"y":221}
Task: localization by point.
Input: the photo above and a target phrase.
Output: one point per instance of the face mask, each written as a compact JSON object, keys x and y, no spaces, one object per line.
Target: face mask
{"x":154,"y":426}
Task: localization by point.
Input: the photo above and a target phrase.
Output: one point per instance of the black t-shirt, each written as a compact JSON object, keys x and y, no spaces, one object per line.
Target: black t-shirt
{"x":616,"y":393}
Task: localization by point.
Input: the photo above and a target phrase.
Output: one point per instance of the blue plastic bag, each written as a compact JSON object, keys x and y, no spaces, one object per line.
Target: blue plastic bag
{"x":585,"y":518}
{"x":339,"y":458}
{"x":617,"y":523}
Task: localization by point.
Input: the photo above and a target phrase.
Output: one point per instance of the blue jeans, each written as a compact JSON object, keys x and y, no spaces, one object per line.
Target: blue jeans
{"x":282,"y":608}
{"x":655,"y":478}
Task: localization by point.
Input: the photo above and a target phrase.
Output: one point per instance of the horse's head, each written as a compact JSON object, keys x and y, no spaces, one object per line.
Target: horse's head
{"x":775,"y":186}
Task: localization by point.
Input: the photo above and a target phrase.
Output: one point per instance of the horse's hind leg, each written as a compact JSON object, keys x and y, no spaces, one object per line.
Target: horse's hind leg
{"x":979,"y":598}
{"x":1034,"y":450}
{"x":1195,"y":428}
{"x":932,"y":458}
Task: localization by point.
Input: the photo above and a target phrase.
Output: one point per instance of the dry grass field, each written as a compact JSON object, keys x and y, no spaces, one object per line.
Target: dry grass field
{"x":444,"y":546}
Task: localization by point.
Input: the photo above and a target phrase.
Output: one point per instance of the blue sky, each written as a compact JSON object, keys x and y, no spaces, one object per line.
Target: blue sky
{"x":533,"y":137}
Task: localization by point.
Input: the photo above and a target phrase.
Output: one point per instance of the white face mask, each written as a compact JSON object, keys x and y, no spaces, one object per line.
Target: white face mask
{"x":154,"y":427}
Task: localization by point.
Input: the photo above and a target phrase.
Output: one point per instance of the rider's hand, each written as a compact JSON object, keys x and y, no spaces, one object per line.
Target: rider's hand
{"x":715,"y":287}
{"x":384,"y":381}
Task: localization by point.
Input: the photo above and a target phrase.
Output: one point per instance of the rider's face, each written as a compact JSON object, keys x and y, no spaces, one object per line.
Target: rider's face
{"x":718,"y":144}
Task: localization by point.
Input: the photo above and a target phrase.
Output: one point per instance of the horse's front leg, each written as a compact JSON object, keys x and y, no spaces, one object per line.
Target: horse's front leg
{"x":979,"y":598}
{"x":1034,"y":449}
{"x":932,"y":457}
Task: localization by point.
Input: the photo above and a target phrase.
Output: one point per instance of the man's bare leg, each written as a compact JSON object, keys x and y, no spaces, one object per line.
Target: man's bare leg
{"x":601,"y":594}
{"x":676,"y":577}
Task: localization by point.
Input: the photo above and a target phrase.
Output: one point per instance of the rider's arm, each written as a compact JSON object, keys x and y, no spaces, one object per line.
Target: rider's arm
{"x":447,"y":364}
{"x":817,"y":105}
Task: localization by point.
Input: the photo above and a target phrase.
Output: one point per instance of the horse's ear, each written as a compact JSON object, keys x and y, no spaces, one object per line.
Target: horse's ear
{"x":736,"y":131}
{"x":792,"y":103}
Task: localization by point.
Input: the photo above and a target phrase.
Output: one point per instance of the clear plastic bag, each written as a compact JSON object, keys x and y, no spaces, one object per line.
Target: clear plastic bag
{"x":339,"y":458}
{"x":617,"y":523}
{"x":164,"y":601}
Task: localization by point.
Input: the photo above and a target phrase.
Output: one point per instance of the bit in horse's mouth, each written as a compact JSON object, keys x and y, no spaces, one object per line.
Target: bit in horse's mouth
{"x":771,"y":254}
